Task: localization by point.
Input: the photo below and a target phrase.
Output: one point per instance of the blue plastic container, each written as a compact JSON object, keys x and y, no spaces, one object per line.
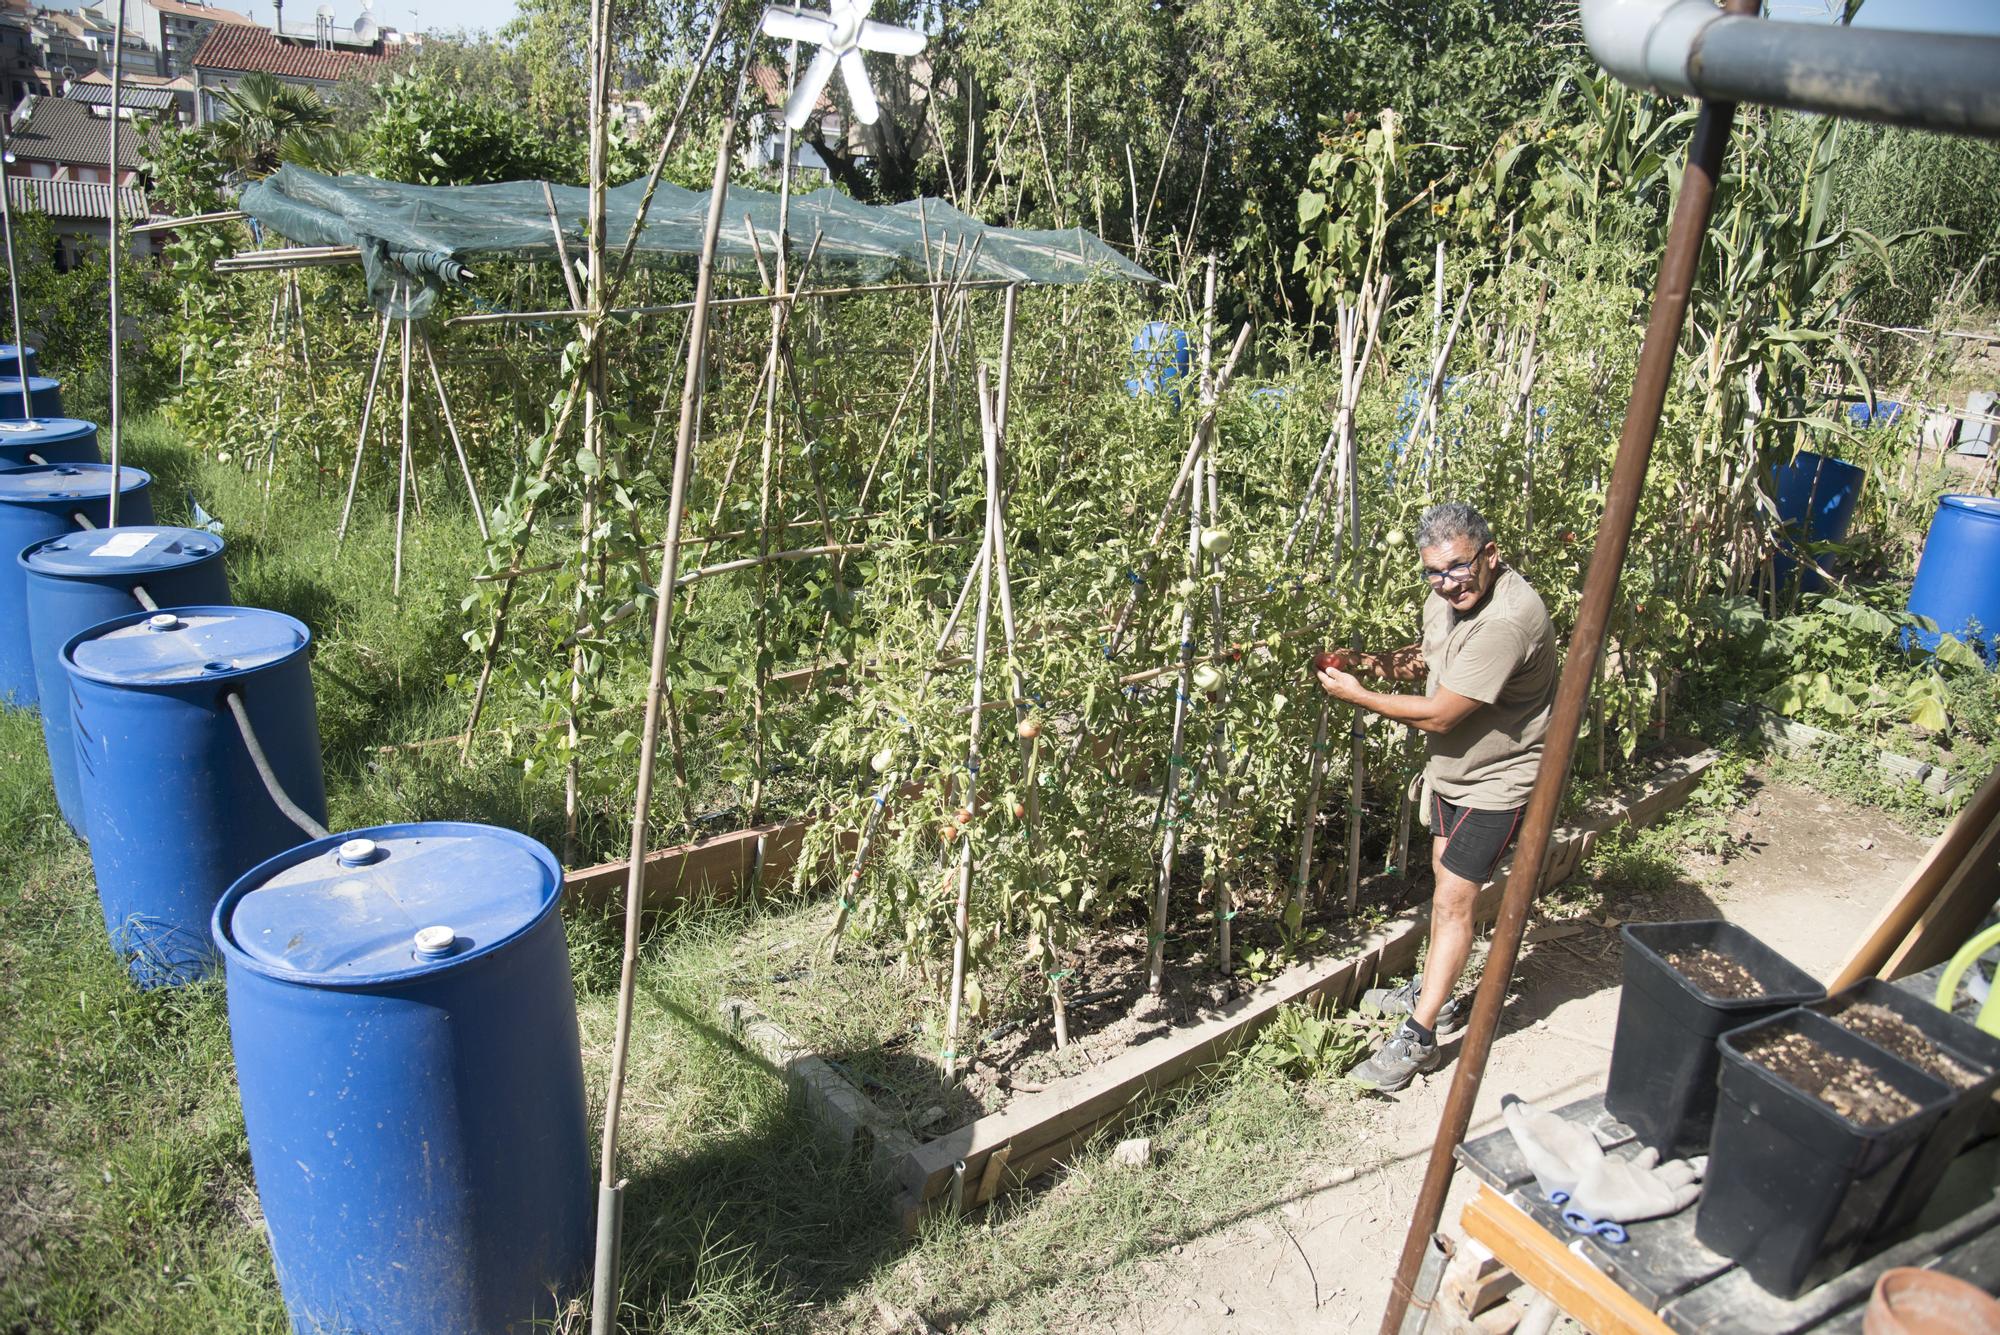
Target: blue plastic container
{"x":1956,"y":584}
{"x":1885,"y":414}
{"x":49,"y":440}
{"x":10,"y":364}
{"x":43,"y":501}
{"x":1816,"y":497}
{"x":44,"y":396}
{"x":1160,"y":360}
{"x":173,"y":807}
{"x":80,"y":579}
{"x":406,"y":1048}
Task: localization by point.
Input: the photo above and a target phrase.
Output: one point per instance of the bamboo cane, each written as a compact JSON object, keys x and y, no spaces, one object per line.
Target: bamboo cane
{"x":962,"y":918}
{"x":610,"y":1188}
{"x":403,"y":470}
{"x":1170,"y":814}
{"x":572,"y":395}
{"x":458,"y":447}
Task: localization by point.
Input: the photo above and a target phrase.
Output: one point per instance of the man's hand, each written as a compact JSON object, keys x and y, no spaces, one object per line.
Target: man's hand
{"x":1339,"y":684}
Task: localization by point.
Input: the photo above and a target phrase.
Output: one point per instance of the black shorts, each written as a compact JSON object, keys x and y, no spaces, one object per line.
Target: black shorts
{"x":1473,"y":839}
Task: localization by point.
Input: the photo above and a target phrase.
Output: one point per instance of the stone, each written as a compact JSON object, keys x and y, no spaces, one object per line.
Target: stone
{"x":1134,"y":1153}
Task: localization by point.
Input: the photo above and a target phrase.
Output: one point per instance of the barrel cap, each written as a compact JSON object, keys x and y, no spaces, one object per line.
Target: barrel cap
{"x":1984,"y":506}
{"x":142,"y":549}
{"x":430,"y":896}
{"x":200,"y":644}
{"x":41,"y":483}
{"x":32,"y":431}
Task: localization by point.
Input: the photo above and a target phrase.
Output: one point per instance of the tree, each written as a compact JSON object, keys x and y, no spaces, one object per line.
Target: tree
{"x":261,"y":111}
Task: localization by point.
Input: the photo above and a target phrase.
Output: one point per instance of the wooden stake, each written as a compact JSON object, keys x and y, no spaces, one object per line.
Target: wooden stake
{"x":451,"y":427}
{"x":1170,"y":811}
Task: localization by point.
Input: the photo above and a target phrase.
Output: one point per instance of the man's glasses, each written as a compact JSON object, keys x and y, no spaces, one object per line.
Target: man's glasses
{"x":1457,"y":574}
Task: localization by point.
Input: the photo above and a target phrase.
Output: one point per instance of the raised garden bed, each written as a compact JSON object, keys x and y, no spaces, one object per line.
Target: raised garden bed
{"x":1031,"y":1107}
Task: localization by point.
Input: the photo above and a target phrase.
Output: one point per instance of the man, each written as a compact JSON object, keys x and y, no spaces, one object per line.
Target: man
{"x":1488,"y":658}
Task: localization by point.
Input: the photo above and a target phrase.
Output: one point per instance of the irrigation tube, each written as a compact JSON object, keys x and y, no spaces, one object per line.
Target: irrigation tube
{"x":1929,"y":80}
{"x":1614,"y":534}
{"x":293,"y":811}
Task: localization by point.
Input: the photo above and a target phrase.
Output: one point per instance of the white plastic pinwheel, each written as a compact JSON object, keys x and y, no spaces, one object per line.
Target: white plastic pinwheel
{"x":841,"y":36}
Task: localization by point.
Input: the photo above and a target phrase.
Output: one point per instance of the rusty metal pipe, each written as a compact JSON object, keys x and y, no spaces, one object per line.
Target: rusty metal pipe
{"x":1607,"y":561}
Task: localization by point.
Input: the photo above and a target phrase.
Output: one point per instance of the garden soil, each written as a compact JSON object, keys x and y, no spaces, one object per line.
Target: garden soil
{"x":1807,"y":875}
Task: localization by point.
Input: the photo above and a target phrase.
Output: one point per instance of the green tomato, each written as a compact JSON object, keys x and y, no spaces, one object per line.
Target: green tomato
{"x":1217,"y":541}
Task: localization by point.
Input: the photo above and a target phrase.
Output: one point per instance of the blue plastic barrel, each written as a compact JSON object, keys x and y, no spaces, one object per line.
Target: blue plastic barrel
{"x":1160,"y":359}
{"x":1816,"y":497}
{"x":406,"y":1049}
{"x":49,"y":440}
{"x":1956,"y":584}
{"x":44,"y":396}
{"x":10,"y":363}
{"x":44,"y":501}
{"x":172,"y":804}
{"x":1885,"y":414}
{"x":80,"y":579}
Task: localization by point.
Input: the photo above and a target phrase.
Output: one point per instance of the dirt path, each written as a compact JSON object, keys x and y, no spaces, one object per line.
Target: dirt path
{"x":1806,"y":874}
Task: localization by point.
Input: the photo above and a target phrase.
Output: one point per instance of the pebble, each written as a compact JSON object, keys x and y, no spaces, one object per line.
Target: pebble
{"x":1867,"y":844}
{"x":1134,"y":1153}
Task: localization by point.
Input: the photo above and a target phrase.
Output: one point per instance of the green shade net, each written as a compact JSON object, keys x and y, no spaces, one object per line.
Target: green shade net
{"x":416,"y":238}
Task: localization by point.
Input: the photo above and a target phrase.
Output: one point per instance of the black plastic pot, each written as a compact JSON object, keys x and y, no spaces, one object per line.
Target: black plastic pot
{"x":1964,"y":1044}
{"x":1663,"y":1058}
{"x":1793,"y":1188}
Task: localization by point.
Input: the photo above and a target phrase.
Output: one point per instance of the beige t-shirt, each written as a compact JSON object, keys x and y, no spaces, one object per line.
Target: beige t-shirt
{"x":1504,"y":656}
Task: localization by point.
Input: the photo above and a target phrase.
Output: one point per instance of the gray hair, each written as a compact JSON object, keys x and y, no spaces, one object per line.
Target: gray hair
{"x":1452,"y":519}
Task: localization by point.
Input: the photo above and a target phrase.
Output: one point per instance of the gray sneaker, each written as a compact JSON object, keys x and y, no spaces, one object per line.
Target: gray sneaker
{"x":1401,"y":1001}
{"x":1398,"y":1062}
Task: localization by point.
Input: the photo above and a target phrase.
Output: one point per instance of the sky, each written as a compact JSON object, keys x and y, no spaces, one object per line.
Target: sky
{"x":1980,"y":16}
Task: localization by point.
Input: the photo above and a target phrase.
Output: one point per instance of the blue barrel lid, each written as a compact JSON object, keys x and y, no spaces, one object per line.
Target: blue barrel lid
{"x":1984,"y":506}
{"x":185,"y":644}
{"x":37,"y":384}
{"x":141,"y":549}
{"x":66,"y":482}
{"x":30,"y":430}
{"x":8,"y":349}
{"x":387,"y":903}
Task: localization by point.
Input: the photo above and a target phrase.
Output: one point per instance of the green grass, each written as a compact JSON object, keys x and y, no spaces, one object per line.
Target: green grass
{"x":130,"y":1205}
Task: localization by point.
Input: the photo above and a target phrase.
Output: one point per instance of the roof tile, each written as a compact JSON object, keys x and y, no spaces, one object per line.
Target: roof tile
{"x":238,"y":49}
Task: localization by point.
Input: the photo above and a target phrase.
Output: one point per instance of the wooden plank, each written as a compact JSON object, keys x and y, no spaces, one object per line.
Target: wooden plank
{"x":1907,"y":907}
{"x":1076,"y":1107}
{"x":1548,"y":1267}
{"x":1965,"y":1206}
{"x":1955,"y":913}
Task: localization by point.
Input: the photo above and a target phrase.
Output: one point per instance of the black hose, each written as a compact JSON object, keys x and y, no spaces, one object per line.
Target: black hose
{"x":293,"y":811}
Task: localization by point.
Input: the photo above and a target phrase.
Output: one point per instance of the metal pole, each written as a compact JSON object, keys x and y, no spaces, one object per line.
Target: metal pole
{"x":13,"y":279}
{"x":117,"y":77}
{"x":1614,"y":533}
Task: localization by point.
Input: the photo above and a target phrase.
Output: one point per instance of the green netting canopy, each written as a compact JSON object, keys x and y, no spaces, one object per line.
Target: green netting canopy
{"x":415,"y":238}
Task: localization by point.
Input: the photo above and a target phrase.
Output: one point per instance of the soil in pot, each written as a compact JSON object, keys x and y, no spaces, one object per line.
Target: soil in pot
{"x":1886,"y":1029}
{"x":1715,"y":973}
{"x":1842,"y":1083}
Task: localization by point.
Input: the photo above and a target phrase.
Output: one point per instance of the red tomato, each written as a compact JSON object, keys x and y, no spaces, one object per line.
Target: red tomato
{"x":1332,"y":658}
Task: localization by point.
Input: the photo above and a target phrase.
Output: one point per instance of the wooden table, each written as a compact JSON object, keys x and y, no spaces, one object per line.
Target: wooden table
{"x":1661,"y":1279}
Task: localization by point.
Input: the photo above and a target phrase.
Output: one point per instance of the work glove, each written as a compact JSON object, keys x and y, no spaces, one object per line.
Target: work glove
{"x":1559,"y":1153}
{"x":1625,"y":1191}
